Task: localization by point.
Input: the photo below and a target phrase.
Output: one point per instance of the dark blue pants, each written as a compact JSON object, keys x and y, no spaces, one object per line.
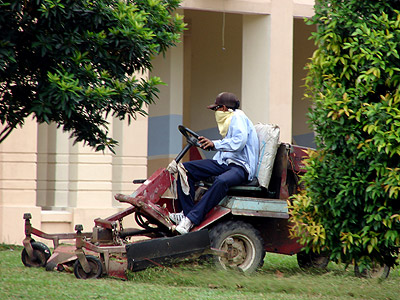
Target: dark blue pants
{"x":226,"y":176}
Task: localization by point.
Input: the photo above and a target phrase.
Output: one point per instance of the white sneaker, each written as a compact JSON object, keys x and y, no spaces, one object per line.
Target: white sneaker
{"x":176,"y":217}
{"x":184,"y":226}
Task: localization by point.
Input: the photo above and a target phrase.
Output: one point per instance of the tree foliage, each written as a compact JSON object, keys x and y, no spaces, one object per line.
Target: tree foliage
{"x":350,"y":207}
{"x":74,"y":62}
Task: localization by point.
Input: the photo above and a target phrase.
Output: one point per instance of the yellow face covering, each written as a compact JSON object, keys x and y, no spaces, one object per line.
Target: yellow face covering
{"x":223,"y":119}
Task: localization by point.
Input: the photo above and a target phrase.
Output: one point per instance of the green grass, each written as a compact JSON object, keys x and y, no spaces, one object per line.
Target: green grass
{"x":280,"y":278}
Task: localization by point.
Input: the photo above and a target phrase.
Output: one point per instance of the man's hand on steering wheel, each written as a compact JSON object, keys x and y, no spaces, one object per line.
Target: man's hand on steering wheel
{"x":205,"y":143}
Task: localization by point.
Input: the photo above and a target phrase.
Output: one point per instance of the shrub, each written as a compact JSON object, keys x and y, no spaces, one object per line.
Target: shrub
{"x":350,"y":206}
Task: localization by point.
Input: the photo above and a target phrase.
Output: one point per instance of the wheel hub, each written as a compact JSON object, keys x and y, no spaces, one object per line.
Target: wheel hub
{"x":236,"y":251}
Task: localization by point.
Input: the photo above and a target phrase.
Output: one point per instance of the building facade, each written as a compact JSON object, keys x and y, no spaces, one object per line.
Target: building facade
{"x":256,"y":49}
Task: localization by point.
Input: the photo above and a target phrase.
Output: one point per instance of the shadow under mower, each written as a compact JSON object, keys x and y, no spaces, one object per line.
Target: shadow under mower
{"x":248,"y":222}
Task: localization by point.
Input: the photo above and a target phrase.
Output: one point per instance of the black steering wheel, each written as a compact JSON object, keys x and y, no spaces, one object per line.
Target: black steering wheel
{"x":192,"y":139}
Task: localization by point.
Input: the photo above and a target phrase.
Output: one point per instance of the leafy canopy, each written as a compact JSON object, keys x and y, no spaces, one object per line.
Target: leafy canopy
{"x":350,"y":207}
{"x":75,"y":62}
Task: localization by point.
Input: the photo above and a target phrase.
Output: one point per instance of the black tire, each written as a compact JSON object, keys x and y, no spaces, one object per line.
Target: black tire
{"x":312,"y":260}
{"x":41,"y":253}
{"x":95,"y":265}
{"x":246,"y":252}
{"x":376,"y":271}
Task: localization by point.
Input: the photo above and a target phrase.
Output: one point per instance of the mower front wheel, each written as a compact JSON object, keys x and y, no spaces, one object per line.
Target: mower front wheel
{"x":41,"y":253}
{"x":96,"y":268}
{"x":242,"y":243}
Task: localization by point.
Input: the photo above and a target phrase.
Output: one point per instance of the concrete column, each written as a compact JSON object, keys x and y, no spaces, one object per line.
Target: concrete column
{"x":164,"y":140}
{"x":255,"y":68}
{"x":52,"y":167}
{"x":18,"y":183}
{"x":267,"y":67}
{"x":281,"y":66}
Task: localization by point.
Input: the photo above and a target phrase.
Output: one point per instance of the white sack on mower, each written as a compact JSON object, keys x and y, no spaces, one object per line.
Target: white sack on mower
{"x":268,"y":136}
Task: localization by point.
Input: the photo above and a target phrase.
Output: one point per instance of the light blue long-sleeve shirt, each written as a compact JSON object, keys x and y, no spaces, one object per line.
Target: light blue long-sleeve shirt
{"x":240,"y":145}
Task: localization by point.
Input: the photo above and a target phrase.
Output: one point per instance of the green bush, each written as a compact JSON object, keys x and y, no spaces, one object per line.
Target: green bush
{"x":350,"y":207}
{"x":73,"y":62}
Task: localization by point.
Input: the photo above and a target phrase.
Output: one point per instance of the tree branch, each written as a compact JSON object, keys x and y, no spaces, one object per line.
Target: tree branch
{"x":5,"y":132}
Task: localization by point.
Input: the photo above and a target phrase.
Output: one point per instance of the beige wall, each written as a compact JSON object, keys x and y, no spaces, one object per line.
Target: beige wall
{"x":18,"y":182}
{"x":215,"y":67}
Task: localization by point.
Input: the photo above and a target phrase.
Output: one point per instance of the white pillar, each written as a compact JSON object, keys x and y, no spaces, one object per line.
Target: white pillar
{"x":53,"y":167}
{"x":255,"y":68}
{"x":281,"y":66}
{"x":267,"y":67}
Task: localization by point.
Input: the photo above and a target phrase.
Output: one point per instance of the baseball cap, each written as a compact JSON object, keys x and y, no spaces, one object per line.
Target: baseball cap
{"x":228,"y":99}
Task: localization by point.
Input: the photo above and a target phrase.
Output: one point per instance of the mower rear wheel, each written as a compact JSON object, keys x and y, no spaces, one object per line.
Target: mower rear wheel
{"x":312,"y":260}
{"x":242,"y":242}
{"x":96,"y":268}
{"x":376,"y":271}
{"x":41,"y":253}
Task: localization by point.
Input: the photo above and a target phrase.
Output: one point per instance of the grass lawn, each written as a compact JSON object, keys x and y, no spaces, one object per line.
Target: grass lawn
{"x":280,"y":278}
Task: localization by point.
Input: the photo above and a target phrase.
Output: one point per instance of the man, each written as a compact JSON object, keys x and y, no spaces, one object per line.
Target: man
{"x":233,"y":164}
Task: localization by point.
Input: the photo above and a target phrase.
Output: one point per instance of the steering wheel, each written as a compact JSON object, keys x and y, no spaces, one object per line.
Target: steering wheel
{"x":191,"y":137}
